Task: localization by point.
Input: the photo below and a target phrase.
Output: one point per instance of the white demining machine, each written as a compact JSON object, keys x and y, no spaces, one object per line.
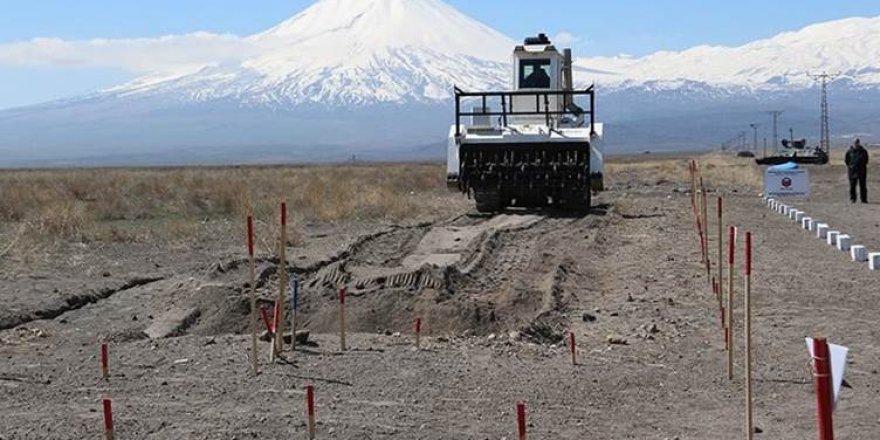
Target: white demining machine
{"x":536,"y":145}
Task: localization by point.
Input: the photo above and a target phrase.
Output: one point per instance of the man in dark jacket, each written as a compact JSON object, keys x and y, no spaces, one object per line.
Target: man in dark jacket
{"x":857,"y":166}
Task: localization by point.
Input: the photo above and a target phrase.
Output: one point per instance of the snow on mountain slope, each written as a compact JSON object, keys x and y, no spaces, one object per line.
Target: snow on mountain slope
{"x":352,"y":52}
{"x":849,"y":46}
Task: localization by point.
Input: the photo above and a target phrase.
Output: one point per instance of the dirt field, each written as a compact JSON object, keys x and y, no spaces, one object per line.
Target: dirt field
{"x":495,"y":294}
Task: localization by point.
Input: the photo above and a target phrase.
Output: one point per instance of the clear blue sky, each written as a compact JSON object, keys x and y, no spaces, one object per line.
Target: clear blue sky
{"x":635,"y":27}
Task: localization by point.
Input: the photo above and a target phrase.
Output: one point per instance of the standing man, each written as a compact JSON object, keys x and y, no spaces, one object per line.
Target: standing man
{"x":857,"y":167}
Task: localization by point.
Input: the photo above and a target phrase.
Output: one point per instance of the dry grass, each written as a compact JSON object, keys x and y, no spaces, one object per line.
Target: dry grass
{"x":717,"y":170}
{"x":139,"y":205}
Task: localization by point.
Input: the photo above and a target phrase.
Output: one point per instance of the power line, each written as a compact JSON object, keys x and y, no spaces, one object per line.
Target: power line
{"x":775,"y":114}
{"x":755,"y":129}
{"x":824,"y":126}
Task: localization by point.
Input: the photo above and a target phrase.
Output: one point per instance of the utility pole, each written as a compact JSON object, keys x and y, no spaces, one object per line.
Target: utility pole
{"x":824,"y":127}
{"x":755,"y":129}
{"x":765,"y":147}
{"x":775,"y":114}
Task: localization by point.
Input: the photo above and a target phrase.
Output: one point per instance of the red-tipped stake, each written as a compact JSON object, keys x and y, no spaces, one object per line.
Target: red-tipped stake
{"x":266,"y":321}
{"x":720,"y":263}
{"x":281,"y":308}
{"x":310,"y":408}
{"x":822,"y":383}
{"x":276,"y":309}
{"x":342,"y":319}
{"x":105,"y":361}
{"x":747,"y":330}
{"x":418,"y":332}
{"x":731,"y":251}
{"x":108,"y":419}
{"x":521,"y":419}
{"x":572,"y":346}
{"x":253,"y":280}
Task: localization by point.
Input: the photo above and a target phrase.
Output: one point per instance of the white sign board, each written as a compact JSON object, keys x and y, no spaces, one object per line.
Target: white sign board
{"x":838,"y":367}
{"x":787,"y":184}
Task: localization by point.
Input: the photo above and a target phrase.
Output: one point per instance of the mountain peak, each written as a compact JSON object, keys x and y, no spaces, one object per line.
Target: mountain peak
{"x":375,"y":25}
{"x":352,"y":52}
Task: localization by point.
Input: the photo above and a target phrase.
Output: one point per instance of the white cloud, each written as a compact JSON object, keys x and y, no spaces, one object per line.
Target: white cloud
{"x":167,"y":54}
{"x":565,"y":39}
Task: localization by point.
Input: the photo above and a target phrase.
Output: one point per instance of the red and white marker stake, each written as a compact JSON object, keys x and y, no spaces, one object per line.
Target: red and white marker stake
{"x":572,"y":346}
{"x":108,"y":419}
{"x":342,"y":319}
{"x":731,"y":251}
{"x":105,"y":361}
{"x":281,"y":306}
{"x":822,"y":383}
{"x":747,"y":330}
{"x":310,"y":409}
{"x":418,"y":332}
{"x":521,"y":419}
{"x":253,"y":281}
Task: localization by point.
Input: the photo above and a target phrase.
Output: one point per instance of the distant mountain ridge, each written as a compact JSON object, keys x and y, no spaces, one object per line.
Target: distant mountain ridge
{"x":373,"y":79}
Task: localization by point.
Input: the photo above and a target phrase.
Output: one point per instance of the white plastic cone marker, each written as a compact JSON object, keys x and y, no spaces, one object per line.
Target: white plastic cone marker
{"x":832,"y":238}
{"x":838,"y":367}
{"x":874,"y":261}
{"x":806,"y":223}
{"x":822,"y":231}
{"x":799,"y":217}
{"x":859,"y":253}
{"x":844,"y":242}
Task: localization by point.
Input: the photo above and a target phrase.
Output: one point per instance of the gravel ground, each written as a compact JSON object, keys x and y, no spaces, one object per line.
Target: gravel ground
{"x":626,"y":279}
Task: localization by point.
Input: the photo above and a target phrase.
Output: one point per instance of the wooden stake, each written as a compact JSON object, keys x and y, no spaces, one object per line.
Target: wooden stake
{"x":572,"y":345}
{"x":108,"y":419}
{"x":282,"y":281}
{"x":731,"y":250}
{"x":342,"y":319}
{"x":294,"y":306}
{"x":105,"y":361}
{"x":720,"y":264}
{"x":822,"y":383}
{"x":253,"y":280}
{"x":418,"y":332}
{"x":276,"y":324}
{"x":747,"y":323}
{"x":705,"y":215}
{"x":521,"y":419}
{"x":310,"y":410}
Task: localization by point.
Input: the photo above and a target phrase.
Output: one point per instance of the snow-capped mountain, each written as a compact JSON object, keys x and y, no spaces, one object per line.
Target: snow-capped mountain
{"x":849,"y":47}
{"x":351,"y":52}
{"x":374,"y":78}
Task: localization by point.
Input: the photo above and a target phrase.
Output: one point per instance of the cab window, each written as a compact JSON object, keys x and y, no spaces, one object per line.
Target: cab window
{"x":534,"y":74}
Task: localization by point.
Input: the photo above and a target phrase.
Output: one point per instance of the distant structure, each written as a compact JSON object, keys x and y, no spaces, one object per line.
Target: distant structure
{"x":775,"y":115}
{"x":825,"y":130}
{"x":755,"y":126}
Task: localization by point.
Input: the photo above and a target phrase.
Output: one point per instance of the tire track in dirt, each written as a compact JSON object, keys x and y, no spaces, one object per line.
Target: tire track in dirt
{"x":76,"y":302}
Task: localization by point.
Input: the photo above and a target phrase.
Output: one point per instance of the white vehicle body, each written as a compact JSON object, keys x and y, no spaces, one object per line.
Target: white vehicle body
{"x":533,"y":145}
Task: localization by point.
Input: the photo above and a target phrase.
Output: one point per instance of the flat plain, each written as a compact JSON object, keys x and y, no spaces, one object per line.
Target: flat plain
{"x":93,"y":255}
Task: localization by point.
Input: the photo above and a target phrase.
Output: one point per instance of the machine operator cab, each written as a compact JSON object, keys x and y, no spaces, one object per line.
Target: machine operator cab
{"x":538,"y":67}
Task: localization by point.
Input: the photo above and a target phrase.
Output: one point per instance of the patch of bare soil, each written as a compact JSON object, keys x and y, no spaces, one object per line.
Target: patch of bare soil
{"x":496,"y":295}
